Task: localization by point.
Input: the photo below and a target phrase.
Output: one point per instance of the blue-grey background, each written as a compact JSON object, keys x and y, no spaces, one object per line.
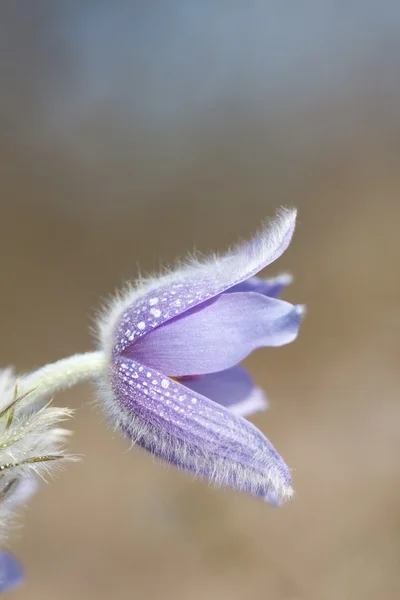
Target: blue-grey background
{"x":132,"y":132}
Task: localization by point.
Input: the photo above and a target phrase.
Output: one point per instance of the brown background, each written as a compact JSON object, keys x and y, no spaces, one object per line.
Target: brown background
{"x":128,"y":137}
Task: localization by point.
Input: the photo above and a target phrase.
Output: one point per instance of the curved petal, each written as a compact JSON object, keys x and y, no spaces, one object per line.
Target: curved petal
{"x":142,"y":310}
{"x":194,"y":433}
{"x":267,"y":287}
{"x":218,"y":335}
{"x":11,"y":573}
{"x":233,"y":388}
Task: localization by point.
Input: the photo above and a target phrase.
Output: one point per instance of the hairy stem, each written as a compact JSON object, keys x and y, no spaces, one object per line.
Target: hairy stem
{"x":61,"y":375}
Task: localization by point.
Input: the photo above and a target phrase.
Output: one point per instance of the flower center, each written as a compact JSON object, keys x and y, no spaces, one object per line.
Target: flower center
{"x":186,"y":378}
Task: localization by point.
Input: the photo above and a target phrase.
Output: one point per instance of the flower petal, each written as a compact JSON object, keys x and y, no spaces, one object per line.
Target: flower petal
{"x":11,"y":573}
{"x":140,"y":311}
{"x":193,"y":432}
{"x":233,"y":388}
{"x":218,"y":334}
{"x":268,"y":287}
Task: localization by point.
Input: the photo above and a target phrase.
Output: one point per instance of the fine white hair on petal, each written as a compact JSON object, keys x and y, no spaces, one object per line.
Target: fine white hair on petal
{"x":241,"y":262}
{"x":218,"y":470}
{"x":31,"y":445}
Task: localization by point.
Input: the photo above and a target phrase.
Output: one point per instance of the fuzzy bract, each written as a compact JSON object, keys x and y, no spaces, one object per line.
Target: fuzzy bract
{"x":31,"y":445}
{"x":174,"y":343}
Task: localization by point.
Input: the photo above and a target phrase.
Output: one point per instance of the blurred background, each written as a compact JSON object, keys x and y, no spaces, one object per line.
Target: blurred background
{"x":134,"y":132}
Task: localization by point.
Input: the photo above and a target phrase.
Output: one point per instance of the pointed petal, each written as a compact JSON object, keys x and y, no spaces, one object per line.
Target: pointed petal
{"x":192,"y":432}
{"x":233,"y":388}
{"x":140,"y":311}
{"x":218,"y":335}
{"x":268,"y":287}
{"x":11,"y":573}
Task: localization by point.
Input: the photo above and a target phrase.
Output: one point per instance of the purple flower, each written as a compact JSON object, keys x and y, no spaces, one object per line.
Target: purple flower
{"x":11,"y":573}
{"x":174,"y":344}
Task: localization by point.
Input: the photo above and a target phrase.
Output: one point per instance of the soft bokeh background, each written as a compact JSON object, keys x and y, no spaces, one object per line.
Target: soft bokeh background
{"x":132,"y":132}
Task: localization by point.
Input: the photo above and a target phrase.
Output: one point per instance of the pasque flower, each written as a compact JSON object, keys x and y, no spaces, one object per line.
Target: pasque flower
{"x":169,"y":374}
{"x":173,"y":345}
